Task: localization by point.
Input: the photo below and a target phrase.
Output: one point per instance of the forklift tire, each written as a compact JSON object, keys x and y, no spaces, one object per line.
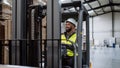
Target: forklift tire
{"x":66,"y":67}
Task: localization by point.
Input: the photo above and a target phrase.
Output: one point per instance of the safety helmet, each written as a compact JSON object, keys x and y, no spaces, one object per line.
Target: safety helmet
{"x":73,"y":21}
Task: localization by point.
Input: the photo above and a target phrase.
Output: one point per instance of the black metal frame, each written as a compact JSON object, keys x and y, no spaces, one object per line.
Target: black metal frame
{"x":21,"y":26}
{"x":82,"y":15}
{"x":53,"y":32}
{"x":113,"y":24}
{"x":89,"y":1}
{"x":19,"y":32}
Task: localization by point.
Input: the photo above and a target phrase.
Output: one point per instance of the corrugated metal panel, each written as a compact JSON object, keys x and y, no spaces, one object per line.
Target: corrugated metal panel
{"x":116,"y":1}
{"x":91,"y":13}
{"x":117,"y":7}
{"x":87,"y":6}
{"x":103,"y":2}
{"x":66,"y":1}
{"x":107,"y":8}
{"x":117,"y":22}
{"x":117,"y":27}
{"x":103,"y":23}
{"x":102,"y":26}
{"x":94,"y":4}
{"x":99,"y":11}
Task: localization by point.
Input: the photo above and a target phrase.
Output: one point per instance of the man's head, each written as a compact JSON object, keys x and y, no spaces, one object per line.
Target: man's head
{"x":70,"y":24}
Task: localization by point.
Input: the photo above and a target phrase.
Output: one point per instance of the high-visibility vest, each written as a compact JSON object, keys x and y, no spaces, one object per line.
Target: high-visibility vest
{"x":72,"y":38}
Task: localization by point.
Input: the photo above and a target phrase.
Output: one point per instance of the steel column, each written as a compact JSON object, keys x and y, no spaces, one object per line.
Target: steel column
{"x":92,"y":31}
{"x":1,"y":50}
{"x":14,"y":31}
{"x":35,"y":46}
{"x":53,"y":33}
{"x":19,"y":32}
{"x":40,"y":10}
{"x":1,"y":47}
{"x":23,"y":27}
{"x":113,"y":24}
{"x":87,"y":41}
{"x":79,"y":39}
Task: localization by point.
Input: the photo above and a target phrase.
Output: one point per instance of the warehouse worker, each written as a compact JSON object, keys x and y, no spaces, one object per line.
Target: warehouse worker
{"x":69,"y":37}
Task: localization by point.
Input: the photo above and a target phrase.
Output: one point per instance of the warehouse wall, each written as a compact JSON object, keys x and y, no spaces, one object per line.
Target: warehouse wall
{"x":117,"y":27}
{"x":91,"y":31}
{"x":102,"y":28}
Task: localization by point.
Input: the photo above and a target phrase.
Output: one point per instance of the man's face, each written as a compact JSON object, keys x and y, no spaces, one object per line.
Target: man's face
{"x":69,"y":26}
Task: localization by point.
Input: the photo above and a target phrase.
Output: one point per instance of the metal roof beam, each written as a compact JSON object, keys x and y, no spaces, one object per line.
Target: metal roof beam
{"x":101,"y":5}
{"x":89,"y":1}
{"x":112,"y":4}
{"x":110,"y":1}
{"x":116,"y":11}
{"x":92,"y":8}
{"x":73,"y":4}
{"x":106,"y":13}
{"x":101,"y":14}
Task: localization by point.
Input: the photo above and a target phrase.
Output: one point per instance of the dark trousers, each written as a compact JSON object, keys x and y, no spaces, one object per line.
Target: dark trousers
{"x":67,"y":61}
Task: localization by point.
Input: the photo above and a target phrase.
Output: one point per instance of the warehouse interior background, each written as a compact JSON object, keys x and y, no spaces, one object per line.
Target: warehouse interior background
{"x":104,"y":18}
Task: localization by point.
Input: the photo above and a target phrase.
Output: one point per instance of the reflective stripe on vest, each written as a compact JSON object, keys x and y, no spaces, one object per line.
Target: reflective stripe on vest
{"x":65,"y":41}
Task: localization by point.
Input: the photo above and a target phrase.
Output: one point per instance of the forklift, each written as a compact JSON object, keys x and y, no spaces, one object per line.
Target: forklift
{"x":82,"y":42}
{"x":55,"y":17}
{"x":26,"y":47}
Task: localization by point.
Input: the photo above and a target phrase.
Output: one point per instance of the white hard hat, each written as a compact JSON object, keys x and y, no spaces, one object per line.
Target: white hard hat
{"x":73,"y":21}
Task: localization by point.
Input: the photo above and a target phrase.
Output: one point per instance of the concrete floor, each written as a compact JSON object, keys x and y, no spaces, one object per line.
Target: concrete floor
{"x":103,"y":57}
{"x":100,"y":57}
{"x":14,"y":66}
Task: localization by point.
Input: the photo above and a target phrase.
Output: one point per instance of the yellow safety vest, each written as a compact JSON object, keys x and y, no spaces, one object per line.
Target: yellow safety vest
{"x":65,"y":41}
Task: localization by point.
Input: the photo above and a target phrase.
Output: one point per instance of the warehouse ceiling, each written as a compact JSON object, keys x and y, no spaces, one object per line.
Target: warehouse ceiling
{"x":98,"y":7}
{"x":94,"y":7}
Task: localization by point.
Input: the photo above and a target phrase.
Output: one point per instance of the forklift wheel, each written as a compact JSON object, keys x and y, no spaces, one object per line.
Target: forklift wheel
{"x":66,"y":67}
